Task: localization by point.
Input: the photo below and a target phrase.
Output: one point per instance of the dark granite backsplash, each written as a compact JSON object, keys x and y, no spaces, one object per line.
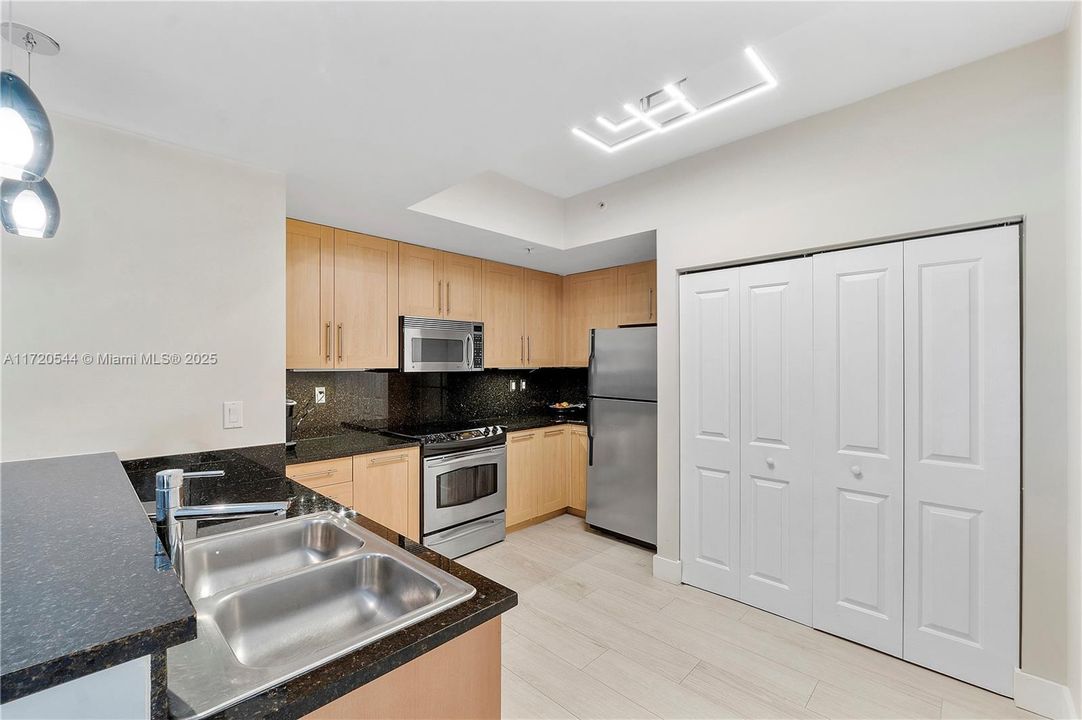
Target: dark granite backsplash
{"x":388,"y":399}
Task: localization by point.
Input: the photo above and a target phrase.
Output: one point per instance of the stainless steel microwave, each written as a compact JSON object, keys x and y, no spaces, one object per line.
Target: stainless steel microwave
{"x":434,"y":345}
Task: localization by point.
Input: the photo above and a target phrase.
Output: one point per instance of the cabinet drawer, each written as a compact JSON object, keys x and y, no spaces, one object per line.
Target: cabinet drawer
{"x":341,"y":493}
{"x":319,"y":474}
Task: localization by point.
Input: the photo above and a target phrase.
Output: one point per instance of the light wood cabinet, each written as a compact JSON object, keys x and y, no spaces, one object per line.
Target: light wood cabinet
{"x":387,"y":489}
{"x":636,"y":293}
{"x":459,"y":679}
{"x":589,"y":302}
{"x":438,"y":284}
{"x":578,"y":467}
{"x":523,"y":476}
{"x":331,"y":478}
{"x":365,"y":301}
{"x":309,"y":294}
{"x":501,"y":311}
{"x":461,"y":287}
{"x":542,"y":315}
{"x":554,"y":467}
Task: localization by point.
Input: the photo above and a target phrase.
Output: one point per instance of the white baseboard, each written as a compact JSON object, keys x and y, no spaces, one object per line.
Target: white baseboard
{"x":1037,"y":695}
{"x":667,"y":570}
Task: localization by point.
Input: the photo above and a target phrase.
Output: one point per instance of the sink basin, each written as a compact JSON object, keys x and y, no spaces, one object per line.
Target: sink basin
{"x":275,"y":601}
{"x":241,"y":557}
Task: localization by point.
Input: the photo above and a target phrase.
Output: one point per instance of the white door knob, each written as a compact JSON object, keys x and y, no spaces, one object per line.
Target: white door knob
{"x":857,"y":472}
{"x":770,"y":463}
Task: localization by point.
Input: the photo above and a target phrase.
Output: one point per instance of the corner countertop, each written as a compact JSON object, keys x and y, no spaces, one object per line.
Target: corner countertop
{"x":81,"y":592}
{"x":252,"y":474}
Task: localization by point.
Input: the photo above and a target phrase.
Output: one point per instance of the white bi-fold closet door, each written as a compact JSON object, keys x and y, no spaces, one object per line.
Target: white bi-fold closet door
{"x":879,"y":473}
{"x":746,"y":403}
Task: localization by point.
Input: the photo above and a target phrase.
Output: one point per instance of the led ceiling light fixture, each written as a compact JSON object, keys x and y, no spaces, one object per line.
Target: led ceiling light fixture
{"x":651,"y":106}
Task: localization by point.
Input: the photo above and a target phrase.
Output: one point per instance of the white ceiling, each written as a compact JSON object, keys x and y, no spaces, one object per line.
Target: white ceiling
{"x":370,"y":108}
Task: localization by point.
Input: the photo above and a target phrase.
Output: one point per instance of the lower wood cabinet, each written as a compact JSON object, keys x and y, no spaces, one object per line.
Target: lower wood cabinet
{"x":546,"y":473}
{"x":523,"y":476}
{"x":387,"y":489}
{"x":384,"y":486}
{"x":459,"y":679}
{"x":577,"y":467}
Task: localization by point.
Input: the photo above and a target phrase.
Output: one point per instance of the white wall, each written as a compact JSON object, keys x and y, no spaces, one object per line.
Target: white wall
{"x":979,"y":142}
{"x":121,"y":692}
{"x":160,"y":249}
{"x":1073,"y":128}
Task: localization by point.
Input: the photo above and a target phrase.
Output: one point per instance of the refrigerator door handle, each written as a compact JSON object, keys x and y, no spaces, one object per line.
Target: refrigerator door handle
{"x":589,"y":433}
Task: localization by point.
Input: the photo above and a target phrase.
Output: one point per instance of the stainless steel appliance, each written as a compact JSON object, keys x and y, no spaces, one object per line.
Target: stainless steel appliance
{"x":434,"y":345}
{"x":621,"y":490}
{"x":463,"y":486}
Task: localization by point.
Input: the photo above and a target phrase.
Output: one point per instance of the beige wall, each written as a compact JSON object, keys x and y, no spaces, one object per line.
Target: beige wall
{"x":160,"y":249}
{"x":1073,"y":127}
{"x":979,"y":142}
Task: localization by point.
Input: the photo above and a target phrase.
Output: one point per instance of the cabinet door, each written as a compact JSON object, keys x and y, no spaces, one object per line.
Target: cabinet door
{"x":710,"y":430}
{"x":523,"y":476}
{"x":420,"y":281}
{"x":543,"y":313}
{"x":637,"y":288}
{"x":309,"y":295}
{"x":501,"y":312}
{"x":578,"y":458}
{"x":776,"y":438}
{"x":387,"y":489}
{"x":365,"y":301}
{"x":553,"y":470}
{"x":589,"y":302}
{"x":461,"y":287}
{"x":857,"y":462}
{"x":962,"y":455}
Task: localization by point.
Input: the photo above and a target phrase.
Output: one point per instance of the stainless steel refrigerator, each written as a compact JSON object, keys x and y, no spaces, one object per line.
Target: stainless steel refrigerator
{"x":621,"y":490}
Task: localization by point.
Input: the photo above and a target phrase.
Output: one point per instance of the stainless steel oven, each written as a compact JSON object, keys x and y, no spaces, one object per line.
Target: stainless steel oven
{"x":434,"y":345}
{"x":465,"y":495}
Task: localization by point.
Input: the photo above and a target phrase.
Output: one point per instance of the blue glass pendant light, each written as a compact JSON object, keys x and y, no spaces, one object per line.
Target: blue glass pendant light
{"x":29,"y":209}
{"x":28,"y":204}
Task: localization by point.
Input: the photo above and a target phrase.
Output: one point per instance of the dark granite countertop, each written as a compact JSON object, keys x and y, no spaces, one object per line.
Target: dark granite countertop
{"x":529,"y":422}
{"x":80,"y":589}
{"x":250,"y":477}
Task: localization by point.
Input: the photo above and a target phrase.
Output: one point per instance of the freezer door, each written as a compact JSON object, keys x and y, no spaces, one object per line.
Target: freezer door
{"x":621,"y":488}
{"x":623,"y":363}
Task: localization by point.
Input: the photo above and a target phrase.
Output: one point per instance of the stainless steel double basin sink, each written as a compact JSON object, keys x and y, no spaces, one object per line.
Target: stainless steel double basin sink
{"x":277,"y":600}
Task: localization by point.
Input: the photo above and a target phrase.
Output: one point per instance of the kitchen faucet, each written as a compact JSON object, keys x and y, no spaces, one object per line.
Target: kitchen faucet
{"x":173,"y":513}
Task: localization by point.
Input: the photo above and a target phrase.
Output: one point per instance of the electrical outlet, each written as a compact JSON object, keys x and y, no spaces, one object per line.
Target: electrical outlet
{"x":321,"y":395}
{"x":521,"y":384}
{"x":513,"y":385}
{"x":232,"y":414}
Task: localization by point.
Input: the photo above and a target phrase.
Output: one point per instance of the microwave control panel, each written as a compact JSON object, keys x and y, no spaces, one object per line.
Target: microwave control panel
{"x":478,"y":347}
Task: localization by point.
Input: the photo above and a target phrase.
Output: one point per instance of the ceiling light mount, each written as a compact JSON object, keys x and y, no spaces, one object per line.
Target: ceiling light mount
{"x":29,"y":39}
{"x":672,"y":97}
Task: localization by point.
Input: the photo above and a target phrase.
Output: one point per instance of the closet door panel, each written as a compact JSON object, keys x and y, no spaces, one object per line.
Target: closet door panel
{"x":858,"y":469}
{"x":776,"y":430}
{"x":710,"y":431}
{"x":962,"y":456}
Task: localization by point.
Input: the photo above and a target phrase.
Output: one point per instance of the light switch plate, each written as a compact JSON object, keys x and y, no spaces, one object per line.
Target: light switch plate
{"x":321,"y":395}
{"x":232,"y":414}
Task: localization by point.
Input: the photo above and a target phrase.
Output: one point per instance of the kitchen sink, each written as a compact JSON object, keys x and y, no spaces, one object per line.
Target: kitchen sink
{"x":275,"y":601}
{"x":242,"y":557}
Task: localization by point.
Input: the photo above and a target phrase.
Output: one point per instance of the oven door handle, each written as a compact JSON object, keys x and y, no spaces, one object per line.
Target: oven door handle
{"x":445,"y":459}
{"x":469,"y":529}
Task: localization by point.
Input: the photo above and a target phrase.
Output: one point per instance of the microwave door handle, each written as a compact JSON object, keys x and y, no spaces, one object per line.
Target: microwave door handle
{"x":469,"y":350}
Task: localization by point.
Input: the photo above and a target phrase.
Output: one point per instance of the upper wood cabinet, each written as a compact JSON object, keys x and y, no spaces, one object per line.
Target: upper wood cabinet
{"x":637,"y":293}
{"x":461,"y":287}
{"x":438,"y":284}
{"x":309,"y":295}
{"x":502,"y":314}
{"x":542,"y":319}
{"x":365,"y":301}
{"x":589,"y":302}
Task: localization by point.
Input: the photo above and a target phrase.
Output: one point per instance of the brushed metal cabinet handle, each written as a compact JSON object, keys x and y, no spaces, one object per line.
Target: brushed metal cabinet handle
{"x":339,"y":342}
{"x":529,"y":352}
{"x":386,"y":461}
{"x":448,"y":297}
{"x":317,"y":473}
{"x":328,"y":356}
{"x":522,"y":348}
{"x":439,"y":298}
{"x":651,"y":307}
